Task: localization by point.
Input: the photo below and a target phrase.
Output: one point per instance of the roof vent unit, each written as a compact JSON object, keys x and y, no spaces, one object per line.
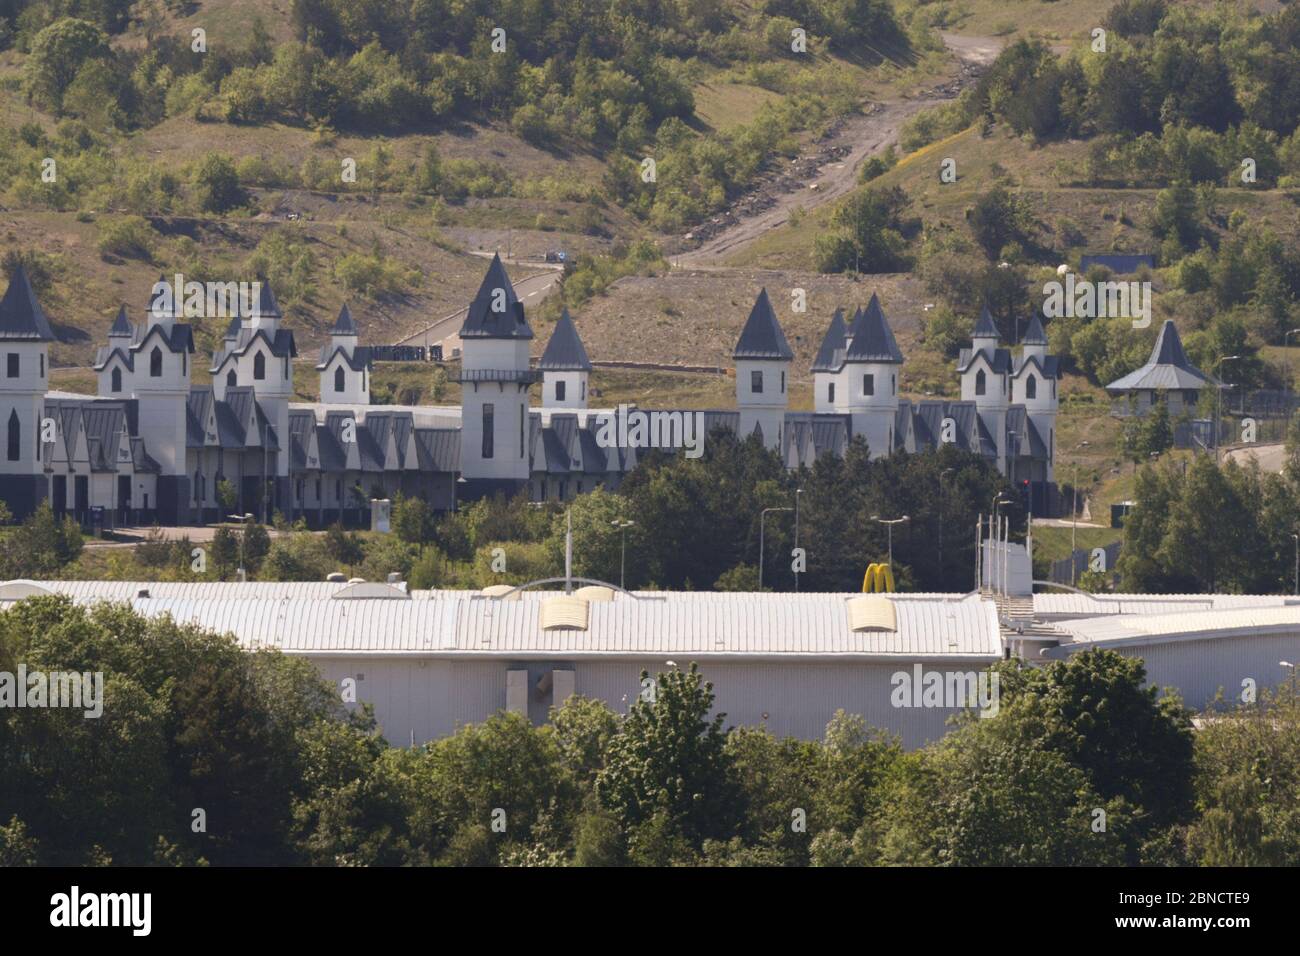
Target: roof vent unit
{"x":872,"y":613}
{"x":564,"y":613}
{"x":336,"y":577}
{"x":370,"y":589}
{"x":394,"y":577}
{"x":142,"y":593}
{"x":594,"y":593}
{"x":500,"y":591}
{"x":356,"y":580}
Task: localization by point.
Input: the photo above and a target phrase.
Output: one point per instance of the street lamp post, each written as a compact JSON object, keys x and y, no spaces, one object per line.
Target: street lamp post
{"x":243,"y":533}
{"x":889,"y":523}
{"x":1218,"y":407}
{"x":1074,"y":510}
{"x":995,"y":518}
{"x":762,"y":517}
{"x":622,"y":524}
{"x":797,"y":493}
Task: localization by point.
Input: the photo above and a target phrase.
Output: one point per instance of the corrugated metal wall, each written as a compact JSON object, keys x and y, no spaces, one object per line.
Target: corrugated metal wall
{"x":428,"y":699}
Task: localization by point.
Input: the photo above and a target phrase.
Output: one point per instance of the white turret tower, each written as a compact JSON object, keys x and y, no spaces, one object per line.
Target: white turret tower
{"x":871,"y":364}
{"x":985,"y":380}
{"x":1034,"y":386}
{"x":344,"y":366}
{"x":495,"y":377}
{"x":564,"y":367}
{"x":763,"y":359}
{"x":828,"y":389}
{"x":25,"y":335}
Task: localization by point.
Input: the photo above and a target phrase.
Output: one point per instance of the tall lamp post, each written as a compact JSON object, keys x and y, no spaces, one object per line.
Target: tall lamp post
{"x":762,"y":517}
{"x":797,"y":493}
{"x":243,"y":520}
{"x":995,"y":518}
{"x":1218,"y":409}
{"x":889,"y":523}
{"x":1074,"y":509}
{"x":622,"y":524}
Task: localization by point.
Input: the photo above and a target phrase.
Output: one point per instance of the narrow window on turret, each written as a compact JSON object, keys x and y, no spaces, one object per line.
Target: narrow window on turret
{"x":559,"y":391}
{"x":979,"y":382}
{"x":893,"y":385}
{"x":338,"y":379}
{"x":15,"y":435}
{"x":756,"y":382}
{"x":286,"y":368}
{"x":42,"y":365}
{"x":231,"y":379}
{"x":1031,"y":386}
{"x":868,"y":385}
{"x":117,"y":380}
{"x":488,"y":418}
{"x":12,"y":371}
{"x":583,"y":390}
{"x":185,"y":365}
{"x":523,"y":420}
{"x":830,"y":392}
{"x":259,"y":366}
{"x":783,"y":383}
{"x":155,"y":363}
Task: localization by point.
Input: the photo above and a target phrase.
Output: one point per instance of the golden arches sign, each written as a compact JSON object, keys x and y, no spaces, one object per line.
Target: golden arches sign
{"x":878,"y":578}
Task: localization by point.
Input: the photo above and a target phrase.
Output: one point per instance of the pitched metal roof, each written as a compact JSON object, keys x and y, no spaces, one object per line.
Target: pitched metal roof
{"x":21,"y":317}
{"x":999,"y":359}
{"x":565,"y":352}
{"x":482,"y":321}
{"x":830,"y":357}
{"x":1034,"y":335}
{"x":438,"y":449}
{"x":122,"y":326}
{"x":1168,"y":367}
{"x":357,"y":359}
{"x":872,"y":338}
{"x":985,"y":327}
{"x":344,"y":325}
{"x":762,"y":338}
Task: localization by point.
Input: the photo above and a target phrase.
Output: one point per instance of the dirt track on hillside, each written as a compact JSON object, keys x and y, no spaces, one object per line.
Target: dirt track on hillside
{"x":831,"y":166}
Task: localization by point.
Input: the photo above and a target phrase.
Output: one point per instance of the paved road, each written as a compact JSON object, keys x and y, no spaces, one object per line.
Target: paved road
{"x":1270,"y":457}
{"x":866,"y":135}
{"x":530,"y":292}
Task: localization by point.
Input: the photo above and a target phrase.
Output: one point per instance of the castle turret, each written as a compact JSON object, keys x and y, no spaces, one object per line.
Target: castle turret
{"x":564,"y":367}
{"x":763,"y":359}
{"x":828,"y":392}
{"x":1033,"y":385}
{"x":25,"y":335}
{"x":871,"y":364}
{"x":495,"y":377}
{"x":344,"y":366}
{"x":985,"y":380}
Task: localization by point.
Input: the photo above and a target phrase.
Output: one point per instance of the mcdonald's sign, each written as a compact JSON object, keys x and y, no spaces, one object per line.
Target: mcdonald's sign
{"x":878,"y":578}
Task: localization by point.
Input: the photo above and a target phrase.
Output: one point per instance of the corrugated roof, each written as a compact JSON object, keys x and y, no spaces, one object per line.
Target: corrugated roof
{"x":1187,"y":625}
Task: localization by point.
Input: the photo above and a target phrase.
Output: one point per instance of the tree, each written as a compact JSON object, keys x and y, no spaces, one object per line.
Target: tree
{"x":41,"y":545}
{"x":412,"y":520}
{"x":217,"y":184}
{"x":668,"y":769}
{"x":996,"y":220}
{"x":58,"y":53}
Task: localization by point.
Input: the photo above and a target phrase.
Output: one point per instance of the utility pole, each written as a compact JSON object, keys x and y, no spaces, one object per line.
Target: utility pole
{"x":622,"y":525}
{"x":762,"y":517}
{"x":797,"y":493}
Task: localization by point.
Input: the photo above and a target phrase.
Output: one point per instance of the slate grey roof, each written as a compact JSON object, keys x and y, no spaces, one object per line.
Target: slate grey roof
{"x":1049,"y":366}
{"x":438,"y":449}
{"x":281,"y":345}
{"x":266,"y":306}
{"x":21,"y":318}
{"x":1168,"y":367}
{"x":482,"y":322}
{"x":344,"y":325}
{"x":564,"y":352}
{"x":985,"y":328}
{"x":830,"y":357}
{"x":1034,"y":335}
{"x":762,"y":338}
{"x":122,"y":326}
{"x":1118,"y":264}
{"x":232,"y":330}
{"x":302,"y":429}
{"x":872,"y":338}
{"x":998,"y":359}
{"x":357,"y":359}
{"x":106,"y":423}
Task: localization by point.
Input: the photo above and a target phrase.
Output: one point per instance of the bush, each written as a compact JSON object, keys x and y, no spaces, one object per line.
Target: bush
{"x":130,"y":237}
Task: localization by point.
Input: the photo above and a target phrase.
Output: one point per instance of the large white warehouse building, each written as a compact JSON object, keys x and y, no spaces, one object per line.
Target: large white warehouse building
{"x":430,"y":661}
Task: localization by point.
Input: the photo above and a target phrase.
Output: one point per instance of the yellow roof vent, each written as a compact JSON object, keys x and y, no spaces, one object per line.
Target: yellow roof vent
{"x":497,"y":590}
{"x":872,"y":613}
{"x":595,"y":592}
{"x":564,"y":613}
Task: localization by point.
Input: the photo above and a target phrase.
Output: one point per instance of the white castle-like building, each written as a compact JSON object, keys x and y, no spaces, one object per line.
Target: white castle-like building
{"x":152,"y":447}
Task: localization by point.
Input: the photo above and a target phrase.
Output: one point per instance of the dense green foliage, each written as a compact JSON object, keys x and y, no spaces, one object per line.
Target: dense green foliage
{"x":284,"y":772}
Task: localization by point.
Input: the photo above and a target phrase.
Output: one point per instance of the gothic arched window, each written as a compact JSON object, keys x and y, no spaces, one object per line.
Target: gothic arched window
{"x":117,"y":380}
{"x":338,"y":379}
{"x":259,"y":366}
{"x":1031,"y":386}
{"x":979,"y":382}
{"x":15,"y":435}
{"x":231,"y":379}
{"x":155,"y":363}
